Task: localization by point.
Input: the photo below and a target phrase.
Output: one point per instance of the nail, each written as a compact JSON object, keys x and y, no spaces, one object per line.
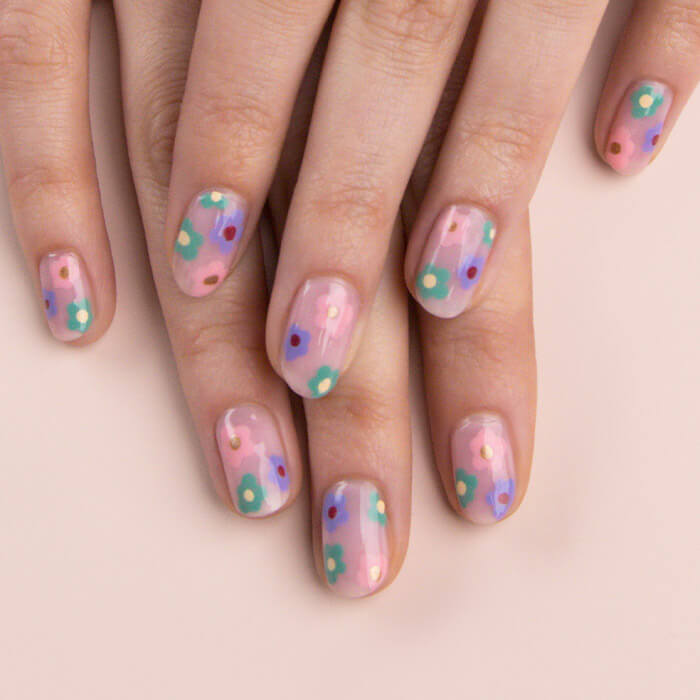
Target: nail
{"x":636,"y":129}
{"x":254,"y":460}
{"x":207,"y":241}
{"x":318,"y":336}
{"x":68,"y":300}
{"x":453,"y":259}
{"x":484,"y":472}
{"x":355,"y":545}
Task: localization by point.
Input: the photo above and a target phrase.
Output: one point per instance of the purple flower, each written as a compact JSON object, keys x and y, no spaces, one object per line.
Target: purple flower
{"x":470,"y":271}
{"x":278,"y":473}
{"x":227,"y":231}
{"x":50,"y":303}
{"x":334,"y":512}
{"x":296,"y":344}
{"x":651,"y":138}
{"x":501,"y":498}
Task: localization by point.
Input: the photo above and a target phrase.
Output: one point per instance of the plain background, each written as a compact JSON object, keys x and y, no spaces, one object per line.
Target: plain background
{"x":122,"y":576}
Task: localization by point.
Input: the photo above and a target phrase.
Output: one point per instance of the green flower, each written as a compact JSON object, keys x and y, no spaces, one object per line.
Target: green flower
{"x":79,"y":315}
{"x":333,"y":561}
{"x":489,"y":233}
{"x":432,"y":282}
{"x":250,"y":494}
{"x":465,"y":485}
{"x":323,"y":382}
{"x":645,"y":102}
{"x":377,"y":508}
{"x":188,"y":241}
{"x":213,"y":199}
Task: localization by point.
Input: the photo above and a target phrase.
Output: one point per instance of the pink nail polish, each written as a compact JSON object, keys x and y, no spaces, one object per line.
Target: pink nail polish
{"x":207,"y":241}
{"x":355,"y":543}
{"x":318,"y":336}
{"x":68,"y":301}
{"x":453,"y":259}
{"x":254,"y":460}
{"x":484,"y":472}
{"x":636,"y":129}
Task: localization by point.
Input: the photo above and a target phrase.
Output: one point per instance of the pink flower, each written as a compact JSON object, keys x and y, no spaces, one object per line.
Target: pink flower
{"x":208,"y":277}
{"x":64,"y":271}
{"x":620,"y":149}
{"x":372,"y":570}
{"x":455,"y":232}
{"x":237,"y":442}
{"x":488,"y":449}
{"x":333,"y":313}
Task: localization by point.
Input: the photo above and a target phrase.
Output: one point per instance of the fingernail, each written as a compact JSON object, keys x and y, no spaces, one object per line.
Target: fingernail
{"x":207,"y":241}
{"x":68,"y":300}
{"x":254,"y":460}
{"x":636,"y":129}
{"x":355,"y":543}
{"x":484,"y":472}
{"x":318,"y":335}
{"x":453,"y":260}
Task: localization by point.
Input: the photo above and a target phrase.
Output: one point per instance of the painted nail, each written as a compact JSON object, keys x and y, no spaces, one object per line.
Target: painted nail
{"x":453,"y":259}
{"x":318,"y":336}
{"x":68,"y":300}
{"x":355,"y":543}
{"x":207,"y":241}
{"x":254,"y":460}
{"x":637,"y":126}
{"x":484,"y":473}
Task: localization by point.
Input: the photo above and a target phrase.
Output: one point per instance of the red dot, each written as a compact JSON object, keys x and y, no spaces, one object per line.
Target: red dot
{"x":280,"y":471}
{"x":230,"y":233}
{"x":471,"y":272}
{"x":294,"y":340}
{"x":655,"y":140}
{"x":332,"y":512}
{"x":503,"y":498}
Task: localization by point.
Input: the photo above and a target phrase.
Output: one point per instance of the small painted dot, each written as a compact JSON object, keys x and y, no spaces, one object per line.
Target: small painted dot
{"x":375,"y":572}
{"x":230,"y":233}
{"x":333,"y":312}
{"x":471,"y":272}
{"x":216,"y":196}
{"x":248,"y":495}
{"x":295,"y":340}
{"x":655,"y":140}
{"x":453,"y":226}
{"x":82,"y":316}
{"x":324,"y":386}
{"x":646,"y":101}
{"x":615,"y":148}
{"x":381,"y":507}
{"x":184,"y":238}
{"x":331,"y":564}
{"x":235,"y":442}
{"x":332,"y":512}
{"x":211,"y":280}
{"x":429,"y":281}
{"x":503,"y":498}
{"x":281,"y":471}
{"x":486,"y":452}
{"x":461,"y":488}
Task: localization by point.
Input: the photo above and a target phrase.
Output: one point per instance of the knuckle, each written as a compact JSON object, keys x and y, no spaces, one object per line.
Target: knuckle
{"x":681,"y":21}
{"x":41,"y":177}
{"x":560,"y":13}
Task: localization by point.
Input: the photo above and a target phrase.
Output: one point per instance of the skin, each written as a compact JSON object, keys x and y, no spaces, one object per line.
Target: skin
{"x":333,"y":187}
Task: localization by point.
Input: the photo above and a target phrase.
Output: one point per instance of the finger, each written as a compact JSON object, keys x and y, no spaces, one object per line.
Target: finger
{"x":526,"y":62}
{"x":246,"y":65}
{"x":654,"y":71}
{"x":384,"y":71}
{"x":240,"y":407}
{"x":49,"y":163}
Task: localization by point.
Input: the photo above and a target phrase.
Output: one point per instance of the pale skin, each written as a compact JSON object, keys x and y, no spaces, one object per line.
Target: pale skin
{"x":345,"y":154}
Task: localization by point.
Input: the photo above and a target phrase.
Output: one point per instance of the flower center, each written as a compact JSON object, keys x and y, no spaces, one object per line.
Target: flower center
{"x":375,"y":572}
{"x":615,"y":148}
{"x":295,"y":341}
{"x":230,"y":233}
{"x":183,"y":238}
{"x":63,"y":272}
{"x":333,"y":312}
{"x":381,"y":507}
{"x":215,"y":196}
{"x":503,"y":499}
{"x":280,"y":471}
{"x":324,"y":386}
{"x":486,"y":452}
{"x":646,"y":101}
{"x":211,"y":280}
{"x":332,"y":512}
{"x":471,"y":272}
{"x":82,"y":316}
{"x":47,"y":303}
{"x":461,"y":488}
{"x":429,"y":280}
{"x":453,"y":226}
{"x":331,"y":564}
{"x":235,"y":442}
{"x":248,"y":495}
{"x":655,"y":140}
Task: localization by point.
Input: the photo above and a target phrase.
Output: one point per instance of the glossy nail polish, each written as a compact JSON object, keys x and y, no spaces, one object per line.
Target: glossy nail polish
{"x":207,"y":241}
{"x":254,"y":460}
{"x":637,"y":126}
{"x":484,"y":471}
{"x":453,"y":259}
{"x":67,"y":295}
{"x":318,"y":335}
{"x":354,"y":541}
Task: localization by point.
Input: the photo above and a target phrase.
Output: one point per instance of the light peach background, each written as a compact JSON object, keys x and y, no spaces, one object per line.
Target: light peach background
{"x":122,"y":576}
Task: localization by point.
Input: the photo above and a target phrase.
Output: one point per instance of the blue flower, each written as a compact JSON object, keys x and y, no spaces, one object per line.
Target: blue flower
{"x":296,"y":344}
{"x":470,"y":271}
{"x":50,"y":303}
{"x":501,"y":498}
{"x":227,"y":231}
{"x":651,"y":138}
{"x":334,"y":512}
{"x":278,"y":473}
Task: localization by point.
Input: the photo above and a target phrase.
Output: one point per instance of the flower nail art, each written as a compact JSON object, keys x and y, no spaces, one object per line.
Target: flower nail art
{"x":319,"y":333}
{"x":637,"y":126}
{"x":253,"y":459}
{"x":484,"y":470}
{"x":66,"y":294}
{"x":354,"y":538}
{"x":206,"y":244}
{"x":453,"y":259}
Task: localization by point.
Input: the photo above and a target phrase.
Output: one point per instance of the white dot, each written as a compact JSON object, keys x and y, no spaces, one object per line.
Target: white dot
{"x":82,"y":316}
{"x":248,"y":495}
{"x":646,"y":101}
{"x":429,"y":281}
{"x":324,"y":386}
{"x":215,"y":196}
{"x":381,"y":507}
{"x":184,"y":238}
{"x":374,"y":573}
{"x":331,"y":564}
{"x":461,"y":488}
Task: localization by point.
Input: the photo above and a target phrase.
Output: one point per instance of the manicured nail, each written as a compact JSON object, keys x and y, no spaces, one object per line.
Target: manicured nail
{"x":67,"y":295}
{"x":484,"y":473}
{"x":355,"y":543}
{"x":318,"y":336}
{"x":453,"y":260}
{"x":637,"y":126}
{"x":254,"y":460}
{"x":207,"y":241}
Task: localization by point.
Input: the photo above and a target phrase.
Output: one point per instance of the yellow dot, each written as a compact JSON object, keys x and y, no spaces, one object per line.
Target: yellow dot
{"x":248,"y":495}
{"x":381,"y":507}
{"x":429,"y":280}
{"x":331,"y":564}
{"x":184,"y":238}
{"x":333,"y":312}
{"x":646,"y":101}
{"x":487,"y":452}
{"x":375,"y":572}
{"x":235,"y":442}
{"x":215,"y":196}
{"x":461,"y":488}
{"x":82,"y":316}
{"x":324,"y":386}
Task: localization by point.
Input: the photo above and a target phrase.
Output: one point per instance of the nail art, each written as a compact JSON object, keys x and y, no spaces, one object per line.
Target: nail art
{"x":67,"y":295}
{"x":207,"y":241}
{"x":637,"y":126}
{"x":484,"y":472}
{"x":355,"y":543}
{"x":453,"y":260}
{"x":254,"y":460}
{"x":318,"y":336}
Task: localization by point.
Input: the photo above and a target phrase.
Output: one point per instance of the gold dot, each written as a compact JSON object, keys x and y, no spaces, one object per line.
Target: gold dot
{"x":215,"y":196}
{"x":248,"y":495}
{"x":235,"y":442}
{"x":331,"y":564}
{"x":375,"y":572}
{"x":211,"y":280}
{"x":646,"y":101}
{"x":183,"y":238}
{"x":461,"y":488}
{"x":381,"y":507}
{"x":324,"y":386}
{"x":333,"y":312}
{"x":453,"y":226}
{"x":63,"y":272}
{"x":487,"y":452}
{"x":429,"y":281}
{"x":615,"y":148}
{"x":82,"y":316}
